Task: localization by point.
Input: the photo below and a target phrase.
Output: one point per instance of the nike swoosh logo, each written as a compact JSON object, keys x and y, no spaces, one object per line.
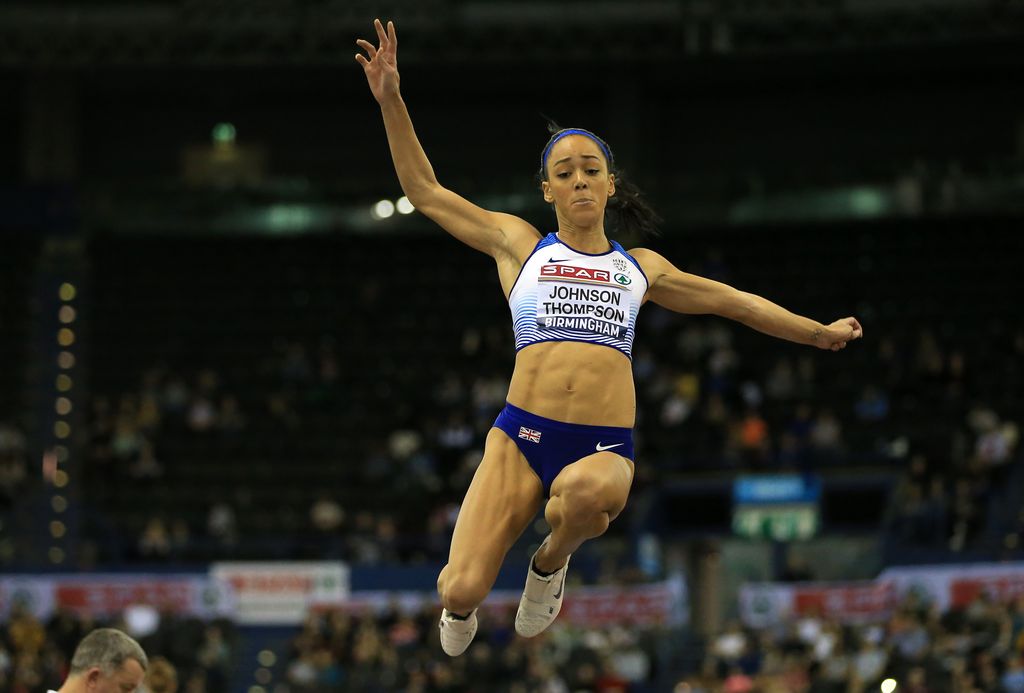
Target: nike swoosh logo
{"x":561,"y":586}
{"x":602,"y":448}
{"x":564,"y":259}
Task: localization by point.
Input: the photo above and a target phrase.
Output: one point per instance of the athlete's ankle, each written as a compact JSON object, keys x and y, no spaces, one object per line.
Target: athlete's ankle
{"x":542,"y":573}
{"x":546,"y":561}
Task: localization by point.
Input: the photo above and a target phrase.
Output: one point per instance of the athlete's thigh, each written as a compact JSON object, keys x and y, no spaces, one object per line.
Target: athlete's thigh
{"x":610,"y":474}
{"x":503,"y":498}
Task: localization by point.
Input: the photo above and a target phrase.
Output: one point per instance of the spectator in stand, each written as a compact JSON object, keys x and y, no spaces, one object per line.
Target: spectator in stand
{"x":214,"y":656}
{"x":1012,"y":680}
{"x":155,"y":541}
{"x":161,"y":677}
{"x":826,"y":436}
{"x":873,"y":404}
{"x":326,"y":516}
{"x":13,"y":467}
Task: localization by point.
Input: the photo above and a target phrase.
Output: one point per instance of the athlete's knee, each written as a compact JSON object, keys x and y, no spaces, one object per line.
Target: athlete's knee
{"x":461,"y":591}
{"x":586,"y":494}
{"x":582,"y":507}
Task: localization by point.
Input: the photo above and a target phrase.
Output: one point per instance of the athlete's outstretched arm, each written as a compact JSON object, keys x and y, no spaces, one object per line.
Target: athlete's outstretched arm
{"x":688,"y":293}
{"x":489,"y":232}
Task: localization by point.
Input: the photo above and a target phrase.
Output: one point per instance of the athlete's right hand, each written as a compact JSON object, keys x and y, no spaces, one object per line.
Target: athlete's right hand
{"x":382,"y":67}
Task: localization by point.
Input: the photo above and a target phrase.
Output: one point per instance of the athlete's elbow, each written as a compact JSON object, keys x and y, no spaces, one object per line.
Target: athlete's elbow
{"x":421,"y":192}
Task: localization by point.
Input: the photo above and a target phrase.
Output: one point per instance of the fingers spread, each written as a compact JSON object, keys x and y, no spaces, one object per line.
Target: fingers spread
{"x":380,"y":32}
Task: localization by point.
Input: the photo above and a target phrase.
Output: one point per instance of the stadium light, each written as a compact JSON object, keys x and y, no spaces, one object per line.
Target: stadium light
{"x":888,"y":686}
{"x":383,"y":209}
{"x":404,"y":206}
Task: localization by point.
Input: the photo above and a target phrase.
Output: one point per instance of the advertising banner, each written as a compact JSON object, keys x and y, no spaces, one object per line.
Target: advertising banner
{"x":105,"y":595}
{"x":281,"y":593}
{"x":661,"y":603}
{"x":946,"y":586}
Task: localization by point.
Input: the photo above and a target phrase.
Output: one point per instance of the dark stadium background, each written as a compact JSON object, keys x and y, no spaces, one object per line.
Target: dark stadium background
{"x":254,"y":366}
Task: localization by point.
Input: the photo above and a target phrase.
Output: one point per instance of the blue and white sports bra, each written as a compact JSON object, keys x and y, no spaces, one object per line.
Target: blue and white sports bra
{"x":563,"y":295}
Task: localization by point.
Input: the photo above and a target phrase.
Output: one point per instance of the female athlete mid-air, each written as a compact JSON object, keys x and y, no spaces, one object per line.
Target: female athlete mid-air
{"x":565,"y":437}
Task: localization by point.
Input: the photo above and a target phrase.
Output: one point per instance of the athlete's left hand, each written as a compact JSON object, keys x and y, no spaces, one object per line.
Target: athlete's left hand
{"x":381,"y":68}
{"x":836,"y":335}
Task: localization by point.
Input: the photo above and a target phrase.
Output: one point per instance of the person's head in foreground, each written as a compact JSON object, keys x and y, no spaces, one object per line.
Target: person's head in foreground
{"x":106,"y":661}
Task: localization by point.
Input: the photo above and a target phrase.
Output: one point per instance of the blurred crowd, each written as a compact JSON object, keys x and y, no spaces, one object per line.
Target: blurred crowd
{"x":395,"y":650}
{"x":976,"y":649}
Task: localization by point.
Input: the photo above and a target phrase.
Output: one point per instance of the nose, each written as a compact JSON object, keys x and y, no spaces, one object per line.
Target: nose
{"x":580,"y":182}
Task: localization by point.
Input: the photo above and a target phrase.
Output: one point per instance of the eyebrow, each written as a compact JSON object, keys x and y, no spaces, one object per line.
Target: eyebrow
{"x":585,"y":156}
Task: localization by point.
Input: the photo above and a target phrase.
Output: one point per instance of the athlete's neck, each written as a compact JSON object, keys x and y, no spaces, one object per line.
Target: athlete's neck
{"x":591,"y":241}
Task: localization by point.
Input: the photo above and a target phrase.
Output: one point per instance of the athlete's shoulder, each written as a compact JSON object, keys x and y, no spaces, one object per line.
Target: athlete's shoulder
{"x":646,"y":256}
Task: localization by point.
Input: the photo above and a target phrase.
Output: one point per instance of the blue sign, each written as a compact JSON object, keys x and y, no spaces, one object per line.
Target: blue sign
{"x":776,"y":489}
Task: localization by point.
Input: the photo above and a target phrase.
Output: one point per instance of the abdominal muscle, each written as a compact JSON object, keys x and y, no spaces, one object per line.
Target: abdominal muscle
{"x":575,"y":382}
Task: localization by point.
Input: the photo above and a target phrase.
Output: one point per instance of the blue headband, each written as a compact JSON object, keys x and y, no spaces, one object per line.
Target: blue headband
{"x":574,"y":131}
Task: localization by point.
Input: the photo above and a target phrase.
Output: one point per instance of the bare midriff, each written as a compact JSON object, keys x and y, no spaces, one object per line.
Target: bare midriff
{"x":575,"y":382}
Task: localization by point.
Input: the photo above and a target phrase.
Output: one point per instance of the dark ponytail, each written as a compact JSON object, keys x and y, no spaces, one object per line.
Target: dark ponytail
{"x":628,"y":211}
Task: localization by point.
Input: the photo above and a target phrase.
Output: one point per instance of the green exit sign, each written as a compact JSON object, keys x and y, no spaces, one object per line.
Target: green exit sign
{"x":778,"y":522}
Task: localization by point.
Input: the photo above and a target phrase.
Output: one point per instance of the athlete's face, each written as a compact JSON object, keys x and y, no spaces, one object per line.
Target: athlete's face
{"x":578,"y":183}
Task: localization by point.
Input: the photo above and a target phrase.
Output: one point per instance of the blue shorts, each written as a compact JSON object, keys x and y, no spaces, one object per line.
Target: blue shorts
{"x":550,"y":446}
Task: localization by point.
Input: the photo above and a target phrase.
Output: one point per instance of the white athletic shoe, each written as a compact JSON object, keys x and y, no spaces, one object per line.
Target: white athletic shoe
{"x":542,"y":600}
{"x":456,"y":634}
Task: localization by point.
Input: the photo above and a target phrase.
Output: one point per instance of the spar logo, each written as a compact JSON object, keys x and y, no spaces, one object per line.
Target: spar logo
{"x":575,"y":274}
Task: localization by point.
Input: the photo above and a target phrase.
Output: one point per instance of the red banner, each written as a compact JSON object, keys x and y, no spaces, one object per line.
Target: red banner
{"x":662,"y":603}
{"x":643,"y":605}
{"x":106,"y":595}
{"x":1001,"y":588}
{"x":847,"y":602}
{"x":176,"y":596}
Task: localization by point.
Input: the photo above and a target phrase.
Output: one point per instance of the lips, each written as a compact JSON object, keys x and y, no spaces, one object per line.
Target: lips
{"x":583,"y":201}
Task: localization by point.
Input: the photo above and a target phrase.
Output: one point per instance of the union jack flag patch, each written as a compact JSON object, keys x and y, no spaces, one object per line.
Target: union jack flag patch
{"x":529,"y":434}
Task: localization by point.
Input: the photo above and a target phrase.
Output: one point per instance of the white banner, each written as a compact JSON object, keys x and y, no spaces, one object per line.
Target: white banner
{"x":281,"y":593}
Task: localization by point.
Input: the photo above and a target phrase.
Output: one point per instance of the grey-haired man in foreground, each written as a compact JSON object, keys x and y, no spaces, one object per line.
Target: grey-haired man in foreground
{"x":106,"y":661}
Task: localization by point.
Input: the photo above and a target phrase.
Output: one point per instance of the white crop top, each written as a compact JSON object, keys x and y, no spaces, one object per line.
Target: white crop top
{"x":563,"y":295}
